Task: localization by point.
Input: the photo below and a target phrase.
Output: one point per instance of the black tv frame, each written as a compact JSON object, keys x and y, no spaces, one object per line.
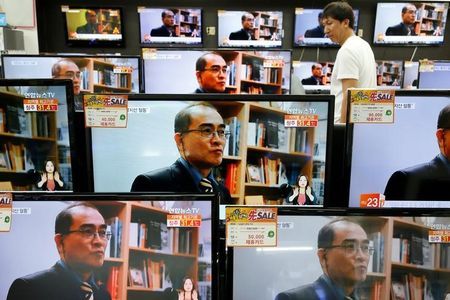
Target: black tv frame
{"x":434,"y":61}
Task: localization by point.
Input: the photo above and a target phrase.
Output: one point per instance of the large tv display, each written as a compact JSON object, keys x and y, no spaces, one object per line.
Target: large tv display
{"x":402,"y":160}
{"x":166,"y":26}
{"x":308,"y":30}
{"x":129,"y":246}
{"x":250,"y":28}
{"x":36,"y":136}
{"x":410,"y":23}
{"x":261,"y":161}
{"x":90,"y":74}
{"x":93,"y":26}
{"x":435,"y":75}
{"x":246,"y":72}
{"x":380,"y":254}
{"x":315,"y":77}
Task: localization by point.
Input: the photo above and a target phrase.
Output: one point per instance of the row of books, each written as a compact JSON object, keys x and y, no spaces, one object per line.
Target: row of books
{"x":157,"y":236}
{"x":412,"y":287}
{"x":15,"y":157}
{"x":233,"y":126}
{"x":109,"y":78}
{"x":29,"y":124}
{"x":259,"y":73}
{"x":413,"y":249}
{"x":376,"y":264}
{"x":267,"y":171}
{"x":267,"y":21}
{"x":150,"y":274}
{"x":112,"y":283}
{"x":370,"y":290}
{"x":114,"y":247}
{"x":186,"y":18}
{"x":231,"y":177}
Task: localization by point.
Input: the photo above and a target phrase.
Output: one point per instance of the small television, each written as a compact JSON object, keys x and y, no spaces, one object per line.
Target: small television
{"x":98,"y":74}
{"x":386,"y":158}
{"x":410,"y":23}
{"x":397,"y":251}
{"x":390,"y":74}
{"x":147,"y":255}
{"x":167,"y":26}
{"x":248,"y":72}
{"x":37,"y":146}
{"x":434,"y":75}
{"x":250,"y":28}
{"x":93,"y":26}
{"x":262,"y":157}
{"x":410,"y":80}
{"x":315,"y":77}
{"x":308,"y":30}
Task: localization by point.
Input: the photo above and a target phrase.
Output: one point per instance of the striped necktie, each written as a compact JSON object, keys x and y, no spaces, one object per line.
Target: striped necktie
{"x":206,"y":186}
{"x":87,"y":290}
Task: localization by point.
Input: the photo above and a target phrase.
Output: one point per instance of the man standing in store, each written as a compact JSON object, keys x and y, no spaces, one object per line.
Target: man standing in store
{"x":91,"y":25}
{"x":406,"y":27}
{"x":167,"y":28}
{"x":355,"y":65}
{"x":344,"y":253}
{"x":81,"y":239}
{"x":316,"y":78}
{"x":246,"y":32}
{"x":200,"y":138}
{"x":211,"y":73}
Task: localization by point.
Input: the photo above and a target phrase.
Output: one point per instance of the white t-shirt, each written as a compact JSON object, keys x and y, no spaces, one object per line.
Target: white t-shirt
{"x":354,"y":60}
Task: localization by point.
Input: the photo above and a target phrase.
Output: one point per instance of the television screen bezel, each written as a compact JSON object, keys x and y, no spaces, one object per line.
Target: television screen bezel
{"x":434,"y":61}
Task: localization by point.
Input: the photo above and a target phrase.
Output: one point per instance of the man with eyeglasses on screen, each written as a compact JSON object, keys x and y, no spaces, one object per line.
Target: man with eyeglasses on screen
{"x":211,"y":72}
{"x":66,"y":68}
{"x":81,"y":238}
{"x":200,"y":137}
{"x":344,"y":253}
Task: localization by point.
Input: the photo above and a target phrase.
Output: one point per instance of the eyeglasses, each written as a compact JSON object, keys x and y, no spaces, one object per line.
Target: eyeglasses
{"x":89,"y":233}
{"x":351,"y":248}
{"x":216,"y":69}
{"x":71,"y":75}
{"x":209,"y":133}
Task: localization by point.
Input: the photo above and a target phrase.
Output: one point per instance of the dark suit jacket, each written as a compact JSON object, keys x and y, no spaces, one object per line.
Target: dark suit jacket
{"x":315,"y":32}
{"x":160,"y":31}
{"x":311,"y":81}
{"x":241,"y":35}
{"x":177,"y":179}
{"x":428,"y":181}
{"x":55,"y":283}
{"x":400,"y":29}
{"x":318,"y":290}
{"x":198,"y":91}
{"x":86,"y":28}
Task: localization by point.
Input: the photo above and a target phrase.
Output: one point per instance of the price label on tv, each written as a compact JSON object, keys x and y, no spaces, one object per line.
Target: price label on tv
{"x":40,"y":105}
{"x":301,"y":120}
{"x":184,"y":220}
{"x":123,"y":70}
{"x":439,"y":236}
{"x":251,"y":227}
{"x":5,"y":211}
{"x":372,"y":106}
{"x":107,"y":111}
{"x":375,"y":200}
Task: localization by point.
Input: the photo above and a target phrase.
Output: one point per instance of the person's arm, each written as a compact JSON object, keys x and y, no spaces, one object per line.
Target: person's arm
{"x":43,"y":180}
{"x":346,"y":84}
{"x":294,"y":194}
{"x":58,"y":179}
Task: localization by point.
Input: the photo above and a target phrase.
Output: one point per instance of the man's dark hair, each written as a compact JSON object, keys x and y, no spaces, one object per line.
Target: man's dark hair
{"x":326,"y":233}
{"x":405,"y":8}
{"x":444,"y":118}
{"x":320,"y":15}
{"x":244,"y":16}
{"x":56,"y":68}
{"x":163,"y":14}
{"x":64,"y":219}
{"x":183,"y":117}
{"x":340,"y":10}
{"x":314,"y":66}
{"x":88,"y":12}
{"x":201,"y":62}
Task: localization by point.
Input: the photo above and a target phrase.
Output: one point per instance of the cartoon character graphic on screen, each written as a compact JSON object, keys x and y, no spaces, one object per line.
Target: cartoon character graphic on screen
{"x":430,"y":180}
{"x":91,"y":25}
{"x":344,"y":251}
{"x":302,"y":193}
{"x":188,"y":290}
{"x":50,"y":179}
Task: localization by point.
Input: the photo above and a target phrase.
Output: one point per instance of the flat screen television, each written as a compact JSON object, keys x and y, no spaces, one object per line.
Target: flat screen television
{"x":147,"y":254}
{"x":262,"y":156}
{"x":93,"y":26}
{"x":252,"y":28}
{"x":91,"y":74}
{"x":435,"y":75}
{"x":37,"y":145}
{"x":308,"y":31}
{"x":314,"y":76}
{"x":390,"y":74}
{"x":377,"y":253}
{"x":168,"y":26}
{"x":410,"y":23}
{"x":410,"y":80}
{"x":248,"y":72}
{"x":385,"y":158}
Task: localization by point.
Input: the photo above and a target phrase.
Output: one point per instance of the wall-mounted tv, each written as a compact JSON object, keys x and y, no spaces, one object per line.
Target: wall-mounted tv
{"x":253,"y":28}
{"x":434,"y":75}
{"x":262,"y":156}
{"x":93,"y":26}
{"x":166,"y":26}
{"x":309,"y":29}
{"x":243,"y":72}
{"x":410,"y":23}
